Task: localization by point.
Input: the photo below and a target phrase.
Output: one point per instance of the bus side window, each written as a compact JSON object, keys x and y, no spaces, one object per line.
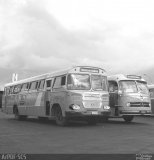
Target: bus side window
{"x":48,"y":84}
{"x":7,"y":91}
{"x":57,"y":82}
{"x":33,"y":85}
{"x":63,"y":80}
{"x":24,"y":87}
{"x":11,"y":90}
{"x":69,"y":80}
{"x":41,"y":84}
{"x":28,"y":86}
{"x":37,"y":85}
{"x":17,"y":89}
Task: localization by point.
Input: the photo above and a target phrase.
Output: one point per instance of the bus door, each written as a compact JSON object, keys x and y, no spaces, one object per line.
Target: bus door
{"x":113,"y":97}
{"x":151,"y":90}
{"x":48,"y":89}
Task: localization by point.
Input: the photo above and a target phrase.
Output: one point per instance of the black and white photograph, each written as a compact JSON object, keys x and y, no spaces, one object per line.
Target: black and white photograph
{"x":76,"y":79}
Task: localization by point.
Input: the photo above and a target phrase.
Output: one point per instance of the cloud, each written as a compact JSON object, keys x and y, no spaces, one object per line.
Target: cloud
{"x":33,"y":41}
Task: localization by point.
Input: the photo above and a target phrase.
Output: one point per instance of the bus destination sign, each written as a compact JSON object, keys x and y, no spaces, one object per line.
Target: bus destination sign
{"x":134,"y":77}
{"x":92,"y":70}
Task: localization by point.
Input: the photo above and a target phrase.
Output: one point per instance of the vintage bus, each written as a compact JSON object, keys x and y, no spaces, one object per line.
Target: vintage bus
{"x":129,"y":96}
{"x":77,"y":93}
{"x":151,"y":90}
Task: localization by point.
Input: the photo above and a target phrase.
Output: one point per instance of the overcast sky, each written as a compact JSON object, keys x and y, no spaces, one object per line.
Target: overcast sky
{"x":39,"y":36}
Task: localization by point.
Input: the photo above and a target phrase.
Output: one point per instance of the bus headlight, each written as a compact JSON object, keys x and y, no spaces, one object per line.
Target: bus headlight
{"x":128,"y":104}
{"x":106,"y":107}
{"x":74,"y":107}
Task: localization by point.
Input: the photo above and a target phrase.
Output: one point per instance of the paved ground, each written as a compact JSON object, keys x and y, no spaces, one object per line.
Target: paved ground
{"x":34,"y":136}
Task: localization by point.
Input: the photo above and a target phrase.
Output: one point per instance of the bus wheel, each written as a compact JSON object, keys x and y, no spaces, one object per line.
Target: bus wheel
{"x":60,"y":120}
{"x":92,"y":121}
{"x":128,"y":118}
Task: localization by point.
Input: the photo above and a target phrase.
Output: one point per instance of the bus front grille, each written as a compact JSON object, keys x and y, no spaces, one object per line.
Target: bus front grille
{"x":139,"y":104}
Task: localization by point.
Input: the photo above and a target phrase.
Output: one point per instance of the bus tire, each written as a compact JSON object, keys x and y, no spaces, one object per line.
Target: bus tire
{"x":60,"y":119}
{"x":128,"y":119}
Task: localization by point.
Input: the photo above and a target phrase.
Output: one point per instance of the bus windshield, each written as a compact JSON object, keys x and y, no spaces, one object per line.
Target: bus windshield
{"x":128,"y":86}
{"x":99,"y":82}
{"x":82,"y":82}
{"x":78,"y":82}
{"x":142,"y":87}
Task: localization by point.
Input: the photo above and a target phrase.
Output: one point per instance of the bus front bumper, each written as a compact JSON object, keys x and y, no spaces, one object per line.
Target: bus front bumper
{"x":143,"y":112}
{"x":71,"y":114}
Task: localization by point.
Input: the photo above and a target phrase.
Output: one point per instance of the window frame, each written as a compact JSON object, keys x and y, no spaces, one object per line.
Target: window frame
{"x":18,"y":87}
{"x":39,"y":84}
{"x":60,"y":83}
{"x":35,"y":86}
{"x":26,"y":88}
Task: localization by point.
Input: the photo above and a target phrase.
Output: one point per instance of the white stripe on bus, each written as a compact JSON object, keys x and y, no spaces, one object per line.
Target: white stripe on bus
{"x":38,"y":100}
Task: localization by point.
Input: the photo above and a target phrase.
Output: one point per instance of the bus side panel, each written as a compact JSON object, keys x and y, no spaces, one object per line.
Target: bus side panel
{"x":35,"y":104}
{"x":40,"y":103}
{"x":30,"y":103}
{"x":10,"y":101}
{"x":4,"y":103}
{"x":59,"y":96}
{"x":22,"y":103}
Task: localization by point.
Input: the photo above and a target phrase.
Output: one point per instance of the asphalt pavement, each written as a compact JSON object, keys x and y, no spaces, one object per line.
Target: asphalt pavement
{"x":113,"y":137}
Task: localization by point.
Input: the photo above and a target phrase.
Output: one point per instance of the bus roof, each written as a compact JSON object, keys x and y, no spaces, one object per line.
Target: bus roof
{"x":85,"y":69}
{"x":119,"y":77}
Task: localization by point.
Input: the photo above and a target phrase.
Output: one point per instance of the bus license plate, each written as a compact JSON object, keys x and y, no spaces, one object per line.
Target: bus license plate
{"x":143,"y":112}
{"x":94,"y":112}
